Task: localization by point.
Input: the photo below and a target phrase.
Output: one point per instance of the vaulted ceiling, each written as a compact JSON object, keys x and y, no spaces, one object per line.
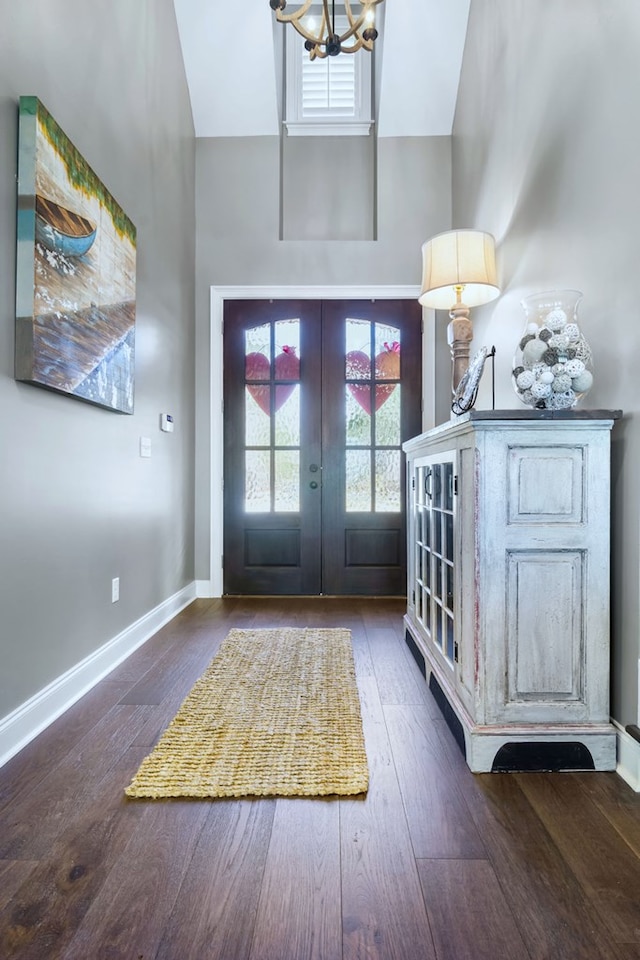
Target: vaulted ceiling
{"x":231,"y":68}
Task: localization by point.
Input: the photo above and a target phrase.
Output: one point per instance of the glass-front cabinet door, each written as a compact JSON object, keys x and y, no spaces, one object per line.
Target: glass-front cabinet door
{"x":432,"y":572}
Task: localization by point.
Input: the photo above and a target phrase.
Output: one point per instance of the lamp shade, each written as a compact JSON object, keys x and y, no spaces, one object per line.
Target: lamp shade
{"x":459,"y":258}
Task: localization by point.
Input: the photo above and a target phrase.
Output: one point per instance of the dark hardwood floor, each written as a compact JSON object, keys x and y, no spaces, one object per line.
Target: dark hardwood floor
{"x":435,"y":864}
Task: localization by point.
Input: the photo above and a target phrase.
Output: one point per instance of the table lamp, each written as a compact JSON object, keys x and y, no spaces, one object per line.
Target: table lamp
{"x":455,"y":264}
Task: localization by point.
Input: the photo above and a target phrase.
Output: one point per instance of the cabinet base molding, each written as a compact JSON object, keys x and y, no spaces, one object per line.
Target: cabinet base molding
{"x":515,"y":748}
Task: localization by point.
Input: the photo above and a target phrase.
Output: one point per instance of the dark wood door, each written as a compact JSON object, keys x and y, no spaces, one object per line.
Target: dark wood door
{"x":319,"y":396}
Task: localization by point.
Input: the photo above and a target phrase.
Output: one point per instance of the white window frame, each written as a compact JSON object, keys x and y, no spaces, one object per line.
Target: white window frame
{"x":330,"y":126}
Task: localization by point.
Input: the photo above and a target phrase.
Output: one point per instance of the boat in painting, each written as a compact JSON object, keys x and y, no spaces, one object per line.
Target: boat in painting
{"x":62,"y":230}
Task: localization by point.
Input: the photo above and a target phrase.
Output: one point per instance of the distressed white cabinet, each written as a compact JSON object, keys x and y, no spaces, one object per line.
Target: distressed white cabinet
{"x":508,"y":584}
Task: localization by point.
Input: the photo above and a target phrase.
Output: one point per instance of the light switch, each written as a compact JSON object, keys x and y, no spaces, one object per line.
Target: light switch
{"x":145,"y":446}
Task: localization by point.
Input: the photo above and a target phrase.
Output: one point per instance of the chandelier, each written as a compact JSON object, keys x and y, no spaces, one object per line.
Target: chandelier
{"x":319,"y":31}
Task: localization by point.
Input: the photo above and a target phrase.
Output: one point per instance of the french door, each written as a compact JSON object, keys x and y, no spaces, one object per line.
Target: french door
{"x":318,"y":399}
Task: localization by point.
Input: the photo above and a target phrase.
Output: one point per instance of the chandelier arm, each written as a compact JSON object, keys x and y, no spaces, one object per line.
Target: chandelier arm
{"x":355,"y":24}
{"x":292,"y":17}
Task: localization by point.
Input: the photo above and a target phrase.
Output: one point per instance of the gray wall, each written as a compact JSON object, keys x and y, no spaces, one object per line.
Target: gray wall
{"x":328,"y":188}
{"x":545,"y":156}
{"x":237,"y":214}
{"x":77,"y":504}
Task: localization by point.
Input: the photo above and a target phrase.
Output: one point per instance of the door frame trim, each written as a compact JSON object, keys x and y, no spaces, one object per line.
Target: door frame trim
{"x":213,"y":457}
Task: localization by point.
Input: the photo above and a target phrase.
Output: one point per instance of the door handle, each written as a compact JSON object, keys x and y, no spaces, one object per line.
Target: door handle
{"x":314,"y":468}
{"x":314,"y":484}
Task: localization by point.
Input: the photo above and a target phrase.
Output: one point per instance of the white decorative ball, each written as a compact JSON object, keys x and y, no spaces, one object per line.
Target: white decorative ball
{"x":533,"y":352}
{"x":561,"y":383}
{"x":562,"y":401}
{"x":546,"y":376}
{"x":582,"y":382}
{"x":574,"y":367}
{"x":556,"y":319}
{"x":558,"y":368}
{"x":540,"y":390}
{"x":538,"y":368}
{"x":525,"y":379}
{"x":532,"y":328}
{"x":582,"y":348}
{"x":559,"y":341}
{"x":572,"y":331}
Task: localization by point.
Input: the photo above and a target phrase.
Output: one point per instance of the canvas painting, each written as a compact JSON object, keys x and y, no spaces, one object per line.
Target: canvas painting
{"x":75,"y":273}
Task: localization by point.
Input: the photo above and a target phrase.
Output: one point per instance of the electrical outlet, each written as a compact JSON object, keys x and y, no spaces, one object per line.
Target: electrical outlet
{"x":115,"y":589}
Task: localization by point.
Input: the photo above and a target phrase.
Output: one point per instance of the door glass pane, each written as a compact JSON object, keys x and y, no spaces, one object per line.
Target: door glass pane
{"x":449,"y":597}
{"x":437,"y":579}
{"x":387,"y":481}
{"x":288,"y":417}
{"x":358,"y":420}
{"x":437,"y":485}
{"x":358,"y":349}
{"x":387,"y":348}
{"x":388,"y":415}
{"x":287,"y":486}
{"x":257,"y":423}
{"x":358,"y":492}
{"x":257,"y":481}
{"x":287,"y":352}
{"x":448,"y":486}
{"x":450,"y":648}
{"x":257,"y":352}
{"x":437,"y":531}
{"x":449,"y":536}
{"x":260,"y":395}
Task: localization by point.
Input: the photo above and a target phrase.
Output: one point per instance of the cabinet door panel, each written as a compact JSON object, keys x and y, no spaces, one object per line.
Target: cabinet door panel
{"x":545,"y":655}
{"x":546,"y":484}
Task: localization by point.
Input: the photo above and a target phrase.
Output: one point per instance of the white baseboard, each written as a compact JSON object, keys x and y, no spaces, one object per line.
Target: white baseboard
{"x":20,"y":726}
{"x":628,"y":758}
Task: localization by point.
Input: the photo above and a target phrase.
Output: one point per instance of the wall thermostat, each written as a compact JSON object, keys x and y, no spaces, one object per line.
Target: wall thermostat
{"x":166,"y":422}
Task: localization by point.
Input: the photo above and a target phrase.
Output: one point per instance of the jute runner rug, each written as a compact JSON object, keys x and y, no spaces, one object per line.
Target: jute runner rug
{"x":276,"y":713}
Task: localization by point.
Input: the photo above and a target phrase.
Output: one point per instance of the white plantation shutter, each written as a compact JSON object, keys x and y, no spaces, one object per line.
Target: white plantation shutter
{"x":327,"y":97}
{"x":328,"y":86}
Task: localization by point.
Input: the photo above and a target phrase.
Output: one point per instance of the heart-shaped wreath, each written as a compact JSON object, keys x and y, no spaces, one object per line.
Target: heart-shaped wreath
{"x":258,"y":367}
{"x":387,"y":367}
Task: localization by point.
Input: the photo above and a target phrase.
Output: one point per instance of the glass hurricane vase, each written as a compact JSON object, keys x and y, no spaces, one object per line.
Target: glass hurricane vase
{"x":552,"y":366}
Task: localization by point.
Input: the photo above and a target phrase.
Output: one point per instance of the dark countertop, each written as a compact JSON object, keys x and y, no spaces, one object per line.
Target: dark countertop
{"x":533,"y":414}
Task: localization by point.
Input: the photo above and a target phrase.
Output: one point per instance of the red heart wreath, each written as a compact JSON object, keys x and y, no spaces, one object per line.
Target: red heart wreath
{"x":387,"y":367}
{"x":258,"y":367}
